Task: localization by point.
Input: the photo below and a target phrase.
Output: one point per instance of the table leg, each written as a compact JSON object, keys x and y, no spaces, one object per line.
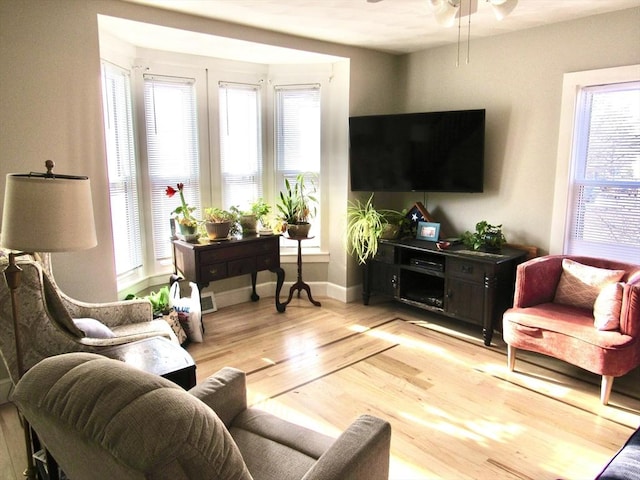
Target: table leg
{"x":254,"y":296}
{"x":280,"y":307}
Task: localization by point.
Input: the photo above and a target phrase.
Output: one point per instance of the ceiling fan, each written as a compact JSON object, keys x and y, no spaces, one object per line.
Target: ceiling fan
{"x":446,"y":11}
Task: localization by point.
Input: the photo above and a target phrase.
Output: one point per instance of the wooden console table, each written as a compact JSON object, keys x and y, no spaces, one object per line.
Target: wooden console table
{"x":205,"y":262}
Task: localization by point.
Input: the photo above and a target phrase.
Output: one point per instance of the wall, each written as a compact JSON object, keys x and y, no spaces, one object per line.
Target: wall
{"x":51,"y":98}
{"x":518,"y":79}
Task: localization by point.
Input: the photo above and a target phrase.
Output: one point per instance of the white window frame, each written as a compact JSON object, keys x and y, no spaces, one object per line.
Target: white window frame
{"x":123,"y":175}
{"x":312,"y":172}
{"x":244,"y":169}
{"x":187,"y":172}
{"x":572,"y":85}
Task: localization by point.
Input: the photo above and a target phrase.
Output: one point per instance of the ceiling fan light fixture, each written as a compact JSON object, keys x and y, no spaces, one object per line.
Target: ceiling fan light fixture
{"x":502,"y":8}
{"x":445,"y":11}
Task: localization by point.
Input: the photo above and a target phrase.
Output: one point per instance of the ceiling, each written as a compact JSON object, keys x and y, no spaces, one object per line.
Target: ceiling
{"x":395,"y":26}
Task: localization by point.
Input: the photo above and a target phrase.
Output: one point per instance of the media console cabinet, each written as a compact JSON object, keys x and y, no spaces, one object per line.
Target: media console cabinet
{"x":475,"y":287}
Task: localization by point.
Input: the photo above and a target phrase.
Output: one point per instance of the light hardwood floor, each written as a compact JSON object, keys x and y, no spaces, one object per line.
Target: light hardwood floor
{"x":455,"y":410}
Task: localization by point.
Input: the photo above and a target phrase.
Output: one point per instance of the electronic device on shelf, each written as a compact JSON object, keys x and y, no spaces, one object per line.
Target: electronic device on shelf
{"x":427,"y":264}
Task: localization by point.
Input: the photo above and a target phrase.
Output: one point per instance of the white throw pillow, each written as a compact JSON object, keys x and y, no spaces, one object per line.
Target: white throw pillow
{"x":606,"y":310}
{"x":580,"y":284}
{"x":93,"y":328}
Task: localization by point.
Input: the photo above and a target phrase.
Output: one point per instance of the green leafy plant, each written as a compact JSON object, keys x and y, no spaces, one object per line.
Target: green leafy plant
{"x":487,"y":236}
{"x":159,"y":301}
{"x":366,"y":226}
{"x":298,"y":203}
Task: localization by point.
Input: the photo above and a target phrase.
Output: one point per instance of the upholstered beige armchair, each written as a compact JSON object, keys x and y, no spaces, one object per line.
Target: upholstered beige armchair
{"x":51,"y":323}
{"x":103,"y":419}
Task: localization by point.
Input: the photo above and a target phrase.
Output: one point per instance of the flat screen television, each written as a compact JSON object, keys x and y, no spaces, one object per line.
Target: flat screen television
{"x":421,"y":152}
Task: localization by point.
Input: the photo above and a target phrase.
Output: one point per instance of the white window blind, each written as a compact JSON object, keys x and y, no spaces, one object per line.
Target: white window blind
{"x":298,"y":140}
{"x":121,"y":164}
{"x":172,"y":151}
{"x":240,"y":144}
{"x":605,"y":192}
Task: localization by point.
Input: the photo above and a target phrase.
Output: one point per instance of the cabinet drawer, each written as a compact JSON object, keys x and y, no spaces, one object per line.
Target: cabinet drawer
{"x":242,"y":266}
{"x":471,"y":271}
{"x":385,"y":253}
{"x":227,"y":253}
{"x":214,"y":271}
{"x":267,"y":262}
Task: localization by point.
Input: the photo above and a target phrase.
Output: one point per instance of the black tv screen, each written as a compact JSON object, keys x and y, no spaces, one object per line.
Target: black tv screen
{"x":423,"y":152}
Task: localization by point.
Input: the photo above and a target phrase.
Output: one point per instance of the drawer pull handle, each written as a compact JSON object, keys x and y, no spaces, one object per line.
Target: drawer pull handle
{"x":213,"y":271}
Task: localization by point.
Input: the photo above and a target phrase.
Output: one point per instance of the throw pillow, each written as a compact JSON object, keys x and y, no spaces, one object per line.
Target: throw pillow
{"x":580,"y":284}
{"x":606,"y":310}
{"x":93,"y":328}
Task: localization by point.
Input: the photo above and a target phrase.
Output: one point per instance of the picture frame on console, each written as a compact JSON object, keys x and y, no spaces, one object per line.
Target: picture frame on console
{"x":428,"y":231}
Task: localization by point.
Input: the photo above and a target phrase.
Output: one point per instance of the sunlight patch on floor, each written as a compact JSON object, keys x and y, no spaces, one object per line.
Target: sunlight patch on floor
{"x":414,"y":344}
{"x":479,"y":430}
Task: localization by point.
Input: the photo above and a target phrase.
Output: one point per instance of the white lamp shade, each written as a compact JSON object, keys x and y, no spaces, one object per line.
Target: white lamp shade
{"x":47,"y":214}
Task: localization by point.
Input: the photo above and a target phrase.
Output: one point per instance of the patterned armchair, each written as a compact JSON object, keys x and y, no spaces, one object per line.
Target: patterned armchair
{"x":47,"y":319}
{"x":584,"y":311}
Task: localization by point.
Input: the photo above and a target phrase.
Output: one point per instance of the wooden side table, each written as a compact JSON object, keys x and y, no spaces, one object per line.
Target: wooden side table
{"x":300,"y":285}
{"x":159,"y":356}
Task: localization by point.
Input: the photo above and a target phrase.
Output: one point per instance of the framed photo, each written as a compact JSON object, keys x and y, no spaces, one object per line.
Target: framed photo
{"x":208,"y":302}
{"x":428,"y":231}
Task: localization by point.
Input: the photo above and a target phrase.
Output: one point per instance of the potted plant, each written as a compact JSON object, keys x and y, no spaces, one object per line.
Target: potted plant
{"x":219,"y":222}
{"x":487,"y":237}
{"x":297,"y":205}
{"x":366,"y":226}
{"x":183,"y":214}
{"x":249,"y":219}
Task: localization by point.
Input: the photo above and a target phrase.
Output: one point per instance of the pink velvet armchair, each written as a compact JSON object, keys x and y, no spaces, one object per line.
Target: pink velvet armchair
{"x":541,"y":322}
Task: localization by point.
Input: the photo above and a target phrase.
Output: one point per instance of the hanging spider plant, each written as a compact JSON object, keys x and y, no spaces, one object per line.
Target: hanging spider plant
{"x":365,"y":226}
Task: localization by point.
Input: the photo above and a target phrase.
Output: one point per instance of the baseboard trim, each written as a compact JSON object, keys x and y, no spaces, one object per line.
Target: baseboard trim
{"x":267,"y":289}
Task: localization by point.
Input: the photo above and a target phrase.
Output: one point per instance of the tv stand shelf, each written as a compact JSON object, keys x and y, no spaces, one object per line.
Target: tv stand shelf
{"x":475,"y":287}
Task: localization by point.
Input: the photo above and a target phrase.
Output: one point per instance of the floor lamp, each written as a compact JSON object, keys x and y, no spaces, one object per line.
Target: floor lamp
{"x":42,"y":212}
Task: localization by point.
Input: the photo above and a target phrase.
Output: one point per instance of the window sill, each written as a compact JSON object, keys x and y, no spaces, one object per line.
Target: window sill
{"x":309,"y":255}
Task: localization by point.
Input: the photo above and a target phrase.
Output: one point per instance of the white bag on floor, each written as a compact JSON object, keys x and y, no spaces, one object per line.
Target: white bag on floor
{"x":188,"y":309}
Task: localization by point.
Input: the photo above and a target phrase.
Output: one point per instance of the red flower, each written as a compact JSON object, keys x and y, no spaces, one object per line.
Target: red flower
{"x":180,"y":186}
{"x":171,"y":191}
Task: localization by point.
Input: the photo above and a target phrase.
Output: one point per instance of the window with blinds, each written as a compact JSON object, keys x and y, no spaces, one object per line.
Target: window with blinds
{"x":240,"y":144}
{"x":172,"y":151}
{"x":298,"y":141}
{"x":604,"y":217}
{"x":121,"y":165}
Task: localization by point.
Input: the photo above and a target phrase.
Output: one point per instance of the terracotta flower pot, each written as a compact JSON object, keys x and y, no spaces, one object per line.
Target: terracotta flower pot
{"x":217,"y":231}
{"x":298,"y":230}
